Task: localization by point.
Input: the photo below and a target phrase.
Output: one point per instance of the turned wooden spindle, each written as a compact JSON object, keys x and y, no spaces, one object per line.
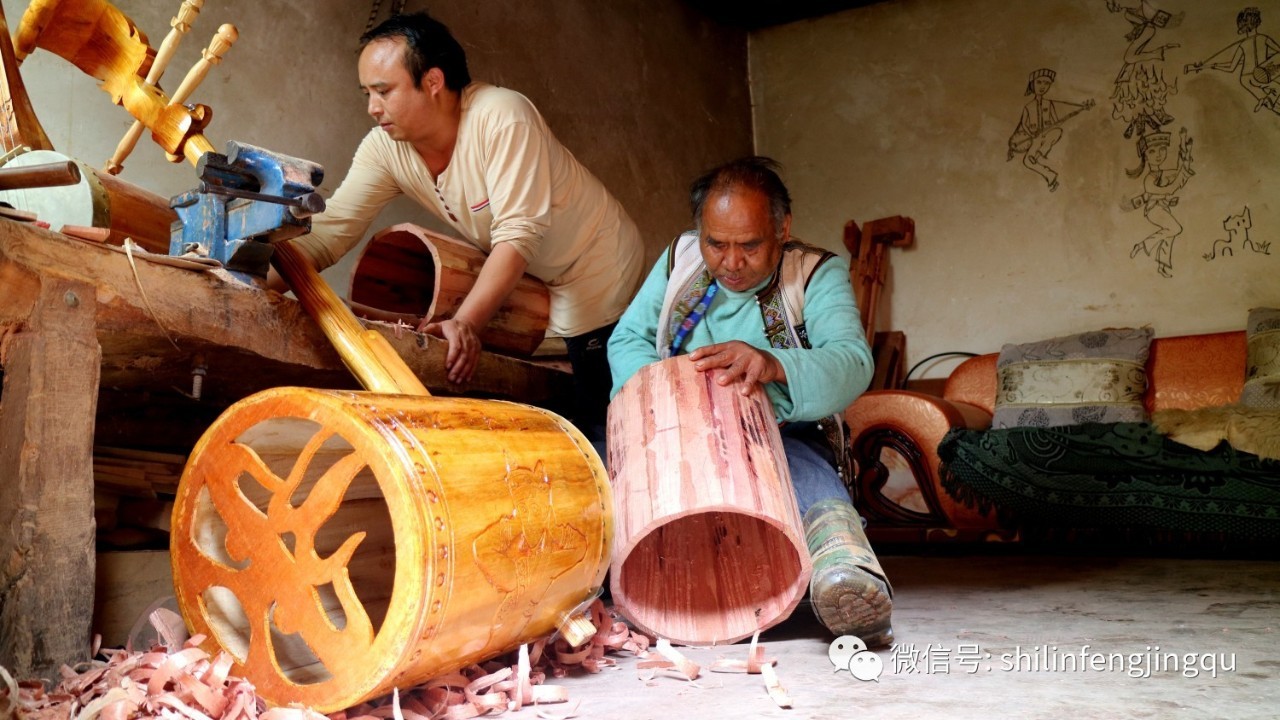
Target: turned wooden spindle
{"x":180,"y":24}
{"x":212,"y":55}
{"x":104,"y":43}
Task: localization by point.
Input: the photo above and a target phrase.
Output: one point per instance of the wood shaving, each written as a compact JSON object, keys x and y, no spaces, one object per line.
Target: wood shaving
{"x":174,"y":679}
{"x":753,"y":664}
{"x":686,"y":667}
{"x":774,"y":686}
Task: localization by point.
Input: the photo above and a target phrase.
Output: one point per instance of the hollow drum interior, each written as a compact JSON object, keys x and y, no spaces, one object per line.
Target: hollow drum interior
{"x":396,"y":272}
{"x":710,"y":577}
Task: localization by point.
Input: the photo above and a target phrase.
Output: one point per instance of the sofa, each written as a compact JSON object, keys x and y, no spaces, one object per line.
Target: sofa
{"x":931,"y":468}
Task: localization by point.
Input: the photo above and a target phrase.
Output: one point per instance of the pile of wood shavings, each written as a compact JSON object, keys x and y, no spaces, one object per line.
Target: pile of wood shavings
{"x":177,"y":680}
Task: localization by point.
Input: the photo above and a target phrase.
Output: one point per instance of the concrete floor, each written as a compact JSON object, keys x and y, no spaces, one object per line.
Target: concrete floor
{"x":1005,"y":611}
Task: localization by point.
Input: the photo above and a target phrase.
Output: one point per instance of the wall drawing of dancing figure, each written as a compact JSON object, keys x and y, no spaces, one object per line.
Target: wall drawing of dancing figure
{"x":1160,"y":186}
{"x":1040,"y":126}
{"x":1141,"y":91}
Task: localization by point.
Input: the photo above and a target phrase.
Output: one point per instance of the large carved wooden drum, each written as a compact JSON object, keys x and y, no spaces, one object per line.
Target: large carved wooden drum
{"x":338,"y":544}
{"x":710,"y":544}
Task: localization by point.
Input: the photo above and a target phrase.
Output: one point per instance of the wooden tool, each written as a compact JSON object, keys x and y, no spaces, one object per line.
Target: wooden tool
{"x":53,"y":174}
{"x":180,"y":25}
{"x":869,"y":267}
{"x":710,"y":544}
{"x":212,"y":55}
{"x":868,"y":271}
{"x":19,"y":127}
{"x":409,"y":272}
{"x":96,"y":199}
{"x":96,"y":37}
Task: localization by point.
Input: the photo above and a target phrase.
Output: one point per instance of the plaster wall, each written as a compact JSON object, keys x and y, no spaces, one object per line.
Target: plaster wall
{"x":645,"y":94}
{"x":908,"y":107}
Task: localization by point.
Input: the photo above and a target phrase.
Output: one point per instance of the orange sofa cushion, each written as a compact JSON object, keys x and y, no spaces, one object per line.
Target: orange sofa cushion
{"x":1184,"y":372}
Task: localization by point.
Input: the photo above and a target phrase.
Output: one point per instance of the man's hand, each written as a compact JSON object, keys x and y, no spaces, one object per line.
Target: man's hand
{"x":739,"y":363}
{"x":464,"y":346}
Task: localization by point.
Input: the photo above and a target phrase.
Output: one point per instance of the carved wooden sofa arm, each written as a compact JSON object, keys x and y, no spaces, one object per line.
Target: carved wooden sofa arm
{"x":912,"y":425}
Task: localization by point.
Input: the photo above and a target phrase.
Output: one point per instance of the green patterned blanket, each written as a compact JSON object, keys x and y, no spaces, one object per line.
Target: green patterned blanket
{"x":1112,"y":475}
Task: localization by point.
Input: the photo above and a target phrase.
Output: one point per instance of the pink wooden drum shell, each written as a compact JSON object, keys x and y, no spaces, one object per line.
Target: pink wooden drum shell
{"x":710,"y":546}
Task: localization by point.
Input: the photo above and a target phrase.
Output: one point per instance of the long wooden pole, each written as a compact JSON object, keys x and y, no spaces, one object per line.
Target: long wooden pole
{"x":365,"y":352}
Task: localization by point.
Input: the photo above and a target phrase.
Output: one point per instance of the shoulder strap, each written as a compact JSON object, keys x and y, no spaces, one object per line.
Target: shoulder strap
{"x":685,"y":272}
{"x":785,"y":296}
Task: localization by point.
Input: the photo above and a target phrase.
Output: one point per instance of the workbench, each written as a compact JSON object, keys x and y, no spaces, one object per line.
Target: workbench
{"x":98,"y":346}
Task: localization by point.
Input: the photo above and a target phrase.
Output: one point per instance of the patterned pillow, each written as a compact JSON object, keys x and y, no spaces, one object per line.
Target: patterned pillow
{"x":1091,"y":377}
{"x":1262,"y":371}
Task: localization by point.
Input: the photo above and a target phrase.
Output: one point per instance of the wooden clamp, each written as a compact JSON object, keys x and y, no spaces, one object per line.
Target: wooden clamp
{"x":180,"y":25}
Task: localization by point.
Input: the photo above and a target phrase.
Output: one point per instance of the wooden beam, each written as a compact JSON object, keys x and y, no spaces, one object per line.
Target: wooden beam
{"x":46,"y":498}
{"x":250,"y":339}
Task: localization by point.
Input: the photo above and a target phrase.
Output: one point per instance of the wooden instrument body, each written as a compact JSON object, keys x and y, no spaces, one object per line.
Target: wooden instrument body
{"x":341,"y":544}
{"x":104,"y":43}
{"x":413,"y":271}
{"x":20,"y":127}
{"x":710,"y":544}
{"x":98,"y":200}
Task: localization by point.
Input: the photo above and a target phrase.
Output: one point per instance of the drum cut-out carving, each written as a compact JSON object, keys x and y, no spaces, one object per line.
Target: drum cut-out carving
{"x":409,"y":271}
{"x":710,"y":543}
{"x":340,"y":544}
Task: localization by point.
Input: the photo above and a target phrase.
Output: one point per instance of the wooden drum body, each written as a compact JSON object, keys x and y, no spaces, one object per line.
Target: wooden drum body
{"x":410,"y":270}
{"x":98,"y":200}
{"x":340,"y":544}
{"x":710,"y":544}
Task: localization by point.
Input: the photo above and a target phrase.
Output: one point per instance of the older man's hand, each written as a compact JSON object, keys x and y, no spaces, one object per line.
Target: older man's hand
{"x":739,"y":363}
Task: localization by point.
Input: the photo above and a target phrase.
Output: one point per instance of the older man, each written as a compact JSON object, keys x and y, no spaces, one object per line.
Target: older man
{"x":754,"y":306}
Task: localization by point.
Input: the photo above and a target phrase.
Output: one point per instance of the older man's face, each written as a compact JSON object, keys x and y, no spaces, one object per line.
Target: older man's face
{"x":738,"y":239}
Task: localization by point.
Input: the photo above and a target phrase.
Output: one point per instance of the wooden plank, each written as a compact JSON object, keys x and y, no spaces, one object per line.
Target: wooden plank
{"x":46,"y":500}
{"x":250,"y":339}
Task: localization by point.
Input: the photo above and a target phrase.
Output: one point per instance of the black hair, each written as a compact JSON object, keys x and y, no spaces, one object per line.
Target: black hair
{"x":427,"y":44}
{"x":753,"y":173}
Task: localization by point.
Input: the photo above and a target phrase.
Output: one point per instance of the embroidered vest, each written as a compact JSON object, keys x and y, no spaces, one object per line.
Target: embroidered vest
{"x":781,"y":303}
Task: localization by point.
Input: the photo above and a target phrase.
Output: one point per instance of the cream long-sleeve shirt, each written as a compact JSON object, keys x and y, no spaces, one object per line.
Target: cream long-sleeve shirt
{"x":509,"y":180}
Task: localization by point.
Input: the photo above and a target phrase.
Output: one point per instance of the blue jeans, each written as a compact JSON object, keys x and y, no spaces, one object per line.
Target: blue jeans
{"x":813,"y":472}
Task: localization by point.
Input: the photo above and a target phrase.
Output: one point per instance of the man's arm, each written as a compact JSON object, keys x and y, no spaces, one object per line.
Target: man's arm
{"x":367,"y":188}
{"x":633,"y":343}
{"x":829,"y":376}
{"x":498,"y":277}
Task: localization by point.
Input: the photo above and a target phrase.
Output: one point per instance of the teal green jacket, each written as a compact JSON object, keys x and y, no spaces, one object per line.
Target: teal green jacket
{"x":821,"y":380}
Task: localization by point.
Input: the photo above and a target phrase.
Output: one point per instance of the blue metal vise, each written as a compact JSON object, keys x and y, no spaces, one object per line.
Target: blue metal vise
{"x":248,"y":199}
